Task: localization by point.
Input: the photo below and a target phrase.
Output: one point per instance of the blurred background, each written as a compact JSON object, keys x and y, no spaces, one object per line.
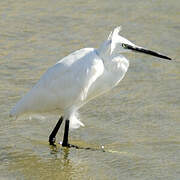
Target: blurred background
{"x":137,"y":122}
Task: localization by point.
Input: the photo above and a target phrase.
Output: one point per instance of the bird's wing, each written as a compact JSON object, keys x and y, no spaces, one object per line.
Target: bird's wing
{"x":64,"y":85}
{"x":70,"y":79}
{"x":91,"y":71}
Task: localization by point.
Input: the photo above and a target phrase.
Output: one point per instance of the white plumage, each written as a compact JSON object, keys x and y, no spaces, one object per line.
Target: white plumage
{"x":78,"y":78}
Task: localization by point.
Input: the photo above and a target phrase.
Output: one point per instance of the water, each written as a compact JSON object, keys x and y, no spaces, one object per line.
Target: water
{"x":137,"y":122}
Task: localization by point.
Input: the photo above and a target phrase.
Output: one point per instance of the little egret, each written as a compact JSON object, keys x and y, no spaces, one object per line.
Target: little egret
{"x":78,"y":78}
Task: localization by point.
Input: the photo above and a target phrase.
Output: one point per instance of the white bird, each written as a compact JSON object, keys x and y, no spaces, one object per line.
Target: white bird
{"x":78,"y":78}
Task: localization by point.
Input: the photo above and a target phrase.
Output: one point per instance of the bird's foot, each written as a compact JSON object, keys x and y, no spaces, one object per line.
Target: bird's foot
{"x":69,"y":145}
{"x":52,"y":141}
{"x":73,"y":146}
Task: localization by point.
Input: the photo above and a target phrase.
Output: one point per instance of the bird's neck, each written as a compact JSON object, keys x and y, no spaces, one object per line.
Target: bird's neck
{"x":113,"y":62}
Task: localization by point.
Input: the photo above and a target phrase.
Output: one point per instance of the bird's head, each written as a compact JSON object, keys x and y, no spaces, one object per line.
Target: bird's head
{"x":116,"y":44}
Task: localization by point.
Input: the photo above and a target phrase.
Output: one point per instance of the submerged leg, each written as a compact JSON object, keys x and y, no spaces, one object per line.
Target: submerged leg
{"x":52,"y":137}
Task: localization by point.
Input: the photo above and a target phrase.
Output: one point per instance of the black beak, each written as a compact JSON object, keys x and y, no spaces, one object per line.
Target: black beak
{"x":145,"y":51}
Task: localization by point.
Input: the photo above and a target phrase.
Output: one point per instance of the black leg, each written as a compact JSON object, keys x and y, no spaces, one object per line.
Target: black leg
{"x":66,"y":132}
{"x":65,"y":139}
{"x":52,"y":137}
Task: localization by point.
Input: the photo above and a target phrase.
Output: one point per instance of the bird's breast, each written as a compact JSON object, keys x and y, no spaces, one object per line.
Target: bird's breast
{"x":114,"y":72}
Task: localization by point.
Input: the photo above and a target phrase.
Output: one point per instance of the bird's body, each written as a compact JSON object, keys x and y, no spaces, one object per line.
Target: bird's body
{"x":71,"y":83}
{"x":78,"y":78}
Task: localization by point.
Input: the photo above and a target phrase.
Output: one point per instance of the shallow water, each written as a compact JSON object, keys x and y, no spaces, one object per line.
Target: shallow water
{"x":137,"y":122}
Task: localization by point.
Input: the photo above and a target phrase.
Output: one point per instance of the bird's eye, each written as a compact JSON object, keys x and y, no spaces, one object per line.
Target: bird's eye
{"x":124,"y":45}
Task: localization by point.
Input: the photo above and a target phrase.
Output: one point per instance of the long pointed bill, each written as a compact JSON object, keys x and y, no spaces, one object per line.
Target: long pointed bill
{"x":145,"y":51}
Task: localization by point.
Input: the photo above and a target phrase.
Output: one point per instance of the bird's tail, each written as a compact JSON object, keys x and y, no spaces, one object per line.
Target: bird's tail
{"x":19,"y":108}
{"x":12,"y":112}
{"x":15,"y":111}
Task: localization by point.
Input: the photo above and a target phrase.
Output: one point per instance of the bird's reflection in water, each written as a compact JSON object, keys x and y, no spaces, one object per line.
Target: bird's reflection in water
{"x":56,"y":150}
{"x":62,"y":155}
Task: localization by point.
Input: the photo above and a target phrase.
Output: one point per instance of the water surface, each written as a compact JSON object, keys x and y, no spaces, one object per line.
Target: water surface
{"x":137,"y":122}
